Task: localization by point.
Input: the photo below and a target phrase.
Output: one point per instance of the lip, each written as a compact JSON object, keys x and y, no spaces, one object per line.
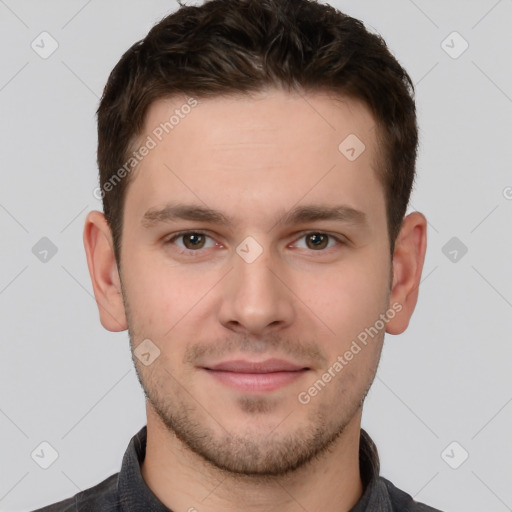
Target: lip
{"x":267,"y":366}
{"x":256,"y":377}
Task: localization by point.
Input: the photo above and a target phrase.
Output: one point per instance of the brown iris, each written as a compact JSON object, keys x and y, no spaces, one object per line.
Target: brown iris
{"x":319,"y":240}
{"x":196,"y":240}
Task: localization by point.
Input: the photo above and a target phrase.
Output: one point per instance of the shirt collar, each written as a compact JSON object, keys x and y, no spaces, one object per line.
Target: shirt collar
{"x":134,"y":494}
{"x":375,"y":494}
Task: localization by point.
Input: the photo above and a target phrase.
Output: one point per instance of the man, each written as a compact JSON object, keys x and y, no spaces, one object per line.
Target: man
{"x":256,"y":160}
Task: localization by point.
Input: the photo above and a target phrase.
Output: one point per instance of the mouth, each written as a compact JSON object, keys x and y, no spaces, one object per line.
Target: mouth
{"x":256,"y":377}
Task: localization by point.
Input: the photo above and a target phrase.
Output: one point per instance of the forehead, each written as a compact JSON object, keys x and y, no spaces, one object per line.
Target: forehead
{"x":270,"y":116}
{"x":248,"y":153}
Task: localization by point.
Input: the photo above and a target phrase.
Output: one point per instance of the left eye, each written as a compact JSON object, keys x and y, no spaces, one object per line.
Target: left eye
{"x":318,"y":240}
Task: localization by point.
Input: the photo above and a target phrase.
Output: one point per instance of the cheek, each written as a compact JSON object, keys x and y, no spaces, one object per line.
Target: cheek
{"x":164,"y":298}
{"x":151,"y":296}
{"x":348,"y":296}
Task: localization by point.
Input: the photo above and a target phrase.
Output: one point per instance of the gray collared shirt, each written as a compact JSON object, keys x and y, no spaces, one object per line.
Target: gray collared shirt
{"x":127,"y":491}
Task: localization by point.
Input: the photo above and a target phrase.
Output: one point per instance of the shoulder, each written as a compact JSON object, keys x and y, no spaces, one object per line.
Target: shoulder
{"x":403,"y":502}
{"x":102,"y":496}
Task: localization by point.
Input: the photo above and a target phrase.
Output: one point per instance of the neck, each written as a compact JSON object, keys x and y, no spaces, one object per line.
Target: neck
{"x":182,"y":480}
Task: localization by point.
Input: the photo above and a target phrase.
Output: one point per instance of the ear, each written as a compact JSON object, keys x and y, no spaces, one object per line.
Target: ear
{"x":104,"y":272}
{"x":408,"y":259}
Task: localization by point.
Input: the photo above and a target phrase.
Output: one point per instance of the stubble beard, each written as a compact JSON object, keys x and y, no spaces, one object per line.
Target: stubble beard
{"x":270,"y":454}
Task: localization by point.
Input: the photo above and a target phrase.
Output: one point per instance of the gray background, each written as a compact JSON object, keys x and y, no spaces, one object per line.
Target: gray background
{"x":66,"y":381}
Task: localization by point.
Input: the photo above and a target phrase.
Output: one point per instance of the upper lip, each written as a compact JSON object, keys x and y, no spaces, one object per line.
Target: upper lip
{"x":267,"y":366}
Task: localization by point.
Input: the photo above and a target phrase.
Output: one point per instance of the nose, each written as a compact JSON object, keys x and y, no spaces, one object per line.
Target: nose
{"x":256,"y":298}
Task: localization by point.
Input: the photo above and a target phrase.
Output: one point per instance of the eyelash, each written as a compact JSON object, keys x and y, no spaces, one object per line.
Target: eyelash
{"x":189,"y":252}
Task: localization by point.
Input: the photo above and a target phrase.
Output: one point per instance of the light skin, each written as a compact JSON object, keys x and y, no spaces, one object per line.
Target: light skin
{"x":304,"y":299}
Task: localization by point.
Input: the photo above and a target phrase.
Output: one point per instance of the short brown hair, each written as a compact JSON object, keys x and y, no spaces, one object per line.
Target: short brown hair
{"x":240,"y":46}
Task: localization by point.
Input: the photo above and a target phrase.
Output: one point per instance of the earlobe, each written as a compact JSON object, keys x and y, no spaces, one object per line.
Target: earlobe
{"x":408,"y":259}
{"x":104,"y":272}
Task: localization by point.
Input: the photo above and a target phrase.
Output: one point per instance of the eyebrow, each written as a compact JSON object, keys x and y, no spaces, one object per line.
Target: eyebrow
{"x":300,"y":214}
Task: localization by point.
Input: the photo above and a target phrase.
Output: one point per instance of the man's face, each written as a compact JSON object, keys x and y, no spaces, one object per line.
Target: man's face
{"x":263,"y":286}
